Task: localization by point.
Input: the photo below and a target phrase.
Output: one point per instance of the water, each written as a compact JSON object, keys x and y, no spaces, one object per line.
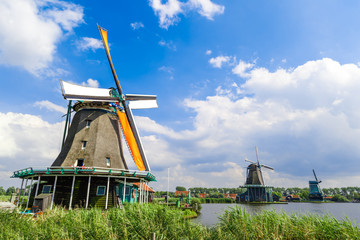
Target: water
{"x":210,"y":212}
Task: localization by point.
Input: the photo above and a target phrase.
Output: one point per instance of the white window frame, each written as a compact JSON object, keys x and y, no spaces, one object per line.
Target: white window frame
{"x":97,"y":190}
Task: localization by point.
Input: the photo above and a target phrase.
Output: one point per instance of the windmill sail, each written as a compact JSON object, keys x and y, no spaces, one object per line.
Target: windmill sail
{"x":126,"y":119}
{"x":72,"y":91}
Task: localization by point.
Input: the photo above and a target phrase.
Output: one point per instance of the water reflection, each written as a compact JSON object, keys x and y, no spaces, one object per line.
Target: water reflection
{"x":210,"y":212}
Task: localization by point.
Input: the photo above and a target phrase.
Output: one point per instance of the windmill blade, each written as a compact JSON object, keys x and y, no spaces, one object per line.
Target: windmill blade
{"x":72,"y":91}
{"x":104,"y":38}
{"x":257,"y":156}
{"x":315,"y":176}
{"x":247,"y":160}
{"x":137,"y":101}
{"x":262,"y":165}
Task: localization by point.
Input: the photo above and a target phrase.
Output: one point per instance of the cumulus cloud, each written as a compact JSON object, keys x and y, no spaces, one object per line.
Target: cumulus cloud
{"x":91,"y":83}
{"x":136,"y":25}
{"x":27,"y":140}
{"x":50,"y":106}
{"x":168,"y":12}
{"x":242,"y":68}
{"x":208,"y":52}
{"x":301,"y":118}
{"x":30,"y":31}
{"x":87,"y":43}
{"x":218,"y":61}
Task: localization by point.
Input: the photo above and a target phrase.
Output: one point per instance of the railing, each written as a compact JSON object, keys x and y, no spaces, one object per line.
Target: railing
{"x":84,"y":170}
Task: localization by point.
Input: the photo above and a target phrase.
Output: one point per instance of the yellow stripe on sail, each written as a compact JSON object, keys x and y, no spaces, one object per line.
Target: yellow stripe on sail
{"x":105,"y":39}
{"x":130,"y":139}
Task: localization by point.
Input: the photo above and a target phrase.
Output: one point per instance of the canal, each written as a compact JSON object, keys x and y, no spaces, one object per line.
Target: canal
{"x":210,"y":212}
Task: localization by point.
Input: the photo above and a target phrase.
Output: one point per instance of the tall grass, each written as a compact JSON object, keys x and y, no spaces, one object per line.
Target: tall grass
{"x":141,"y":221}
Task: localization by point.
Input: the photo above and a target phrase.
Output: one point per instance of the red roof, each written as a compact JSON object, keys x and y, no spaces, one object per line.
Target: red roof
{"x":230,"y":195}
{"x":202,"y":195}
{"x":179,"y":193}
{"x":144,"y":187}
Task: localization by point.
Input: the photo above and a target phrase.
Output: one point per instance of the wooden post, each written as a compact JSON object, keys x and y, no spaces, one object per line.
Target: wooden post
{"x":153,"y":236}
{"x":27,"y":202}
{"x":53,"y":195}
{"x":107,"y":192}
{"x":72,"y":191}
{"x":124,"y":190}
{"x":88,"y":192}
{"x":22,"y":182}
{"x":22,"y":199}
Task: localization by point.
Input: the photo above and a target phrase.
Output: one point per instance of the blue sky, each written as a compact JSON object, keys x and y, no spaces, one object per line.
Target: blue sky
{"x":229,"y":75}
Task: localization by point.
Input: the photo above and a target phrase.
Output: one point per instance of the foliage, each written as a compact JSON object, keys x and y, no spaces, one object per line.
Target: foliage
{"x":2,"y":191}
{"x":180,"y":188}
{"x":339,"y":198}
{"x":141,"y":221}
{"x":10,"y":190}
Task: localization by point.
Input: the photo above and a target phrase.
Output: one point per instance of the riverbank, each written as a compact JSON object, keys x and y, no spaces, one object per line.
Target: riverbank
{"x":142,"y":221}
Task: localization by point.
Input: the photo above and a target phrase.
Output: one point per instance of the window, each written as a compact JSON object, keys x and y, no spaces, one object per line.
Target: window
{"x":80,"y":162}
{"x":83,"y":144}
{"x":100,"y":191}
{"x":88,"y":122}
{"x":46,"y":189}
{"x":108,"y":162}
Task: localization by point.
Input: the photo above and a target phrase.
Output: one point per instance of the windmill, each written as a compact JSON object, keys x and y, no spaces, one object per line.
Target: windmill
{"x":256,"y":189}
{"x":91,"y":169}
{"x":254,"y":174}
{"x":315,"y":192}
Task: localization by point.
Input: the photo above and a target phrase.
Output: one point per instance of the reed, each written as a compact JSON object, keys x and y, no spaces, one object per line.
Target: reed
{"x":141,"y":221}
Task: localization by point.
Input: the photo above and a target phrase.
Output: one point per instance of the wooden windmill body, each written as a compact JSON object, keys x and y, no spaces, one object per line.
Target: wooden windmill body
{"x":91,"y":169}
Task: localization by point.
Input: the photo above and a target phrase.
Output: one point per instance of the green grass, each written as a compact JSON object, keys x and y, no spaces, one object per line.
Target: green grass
{"x":4,"y":198}
{"x":141,"y":221}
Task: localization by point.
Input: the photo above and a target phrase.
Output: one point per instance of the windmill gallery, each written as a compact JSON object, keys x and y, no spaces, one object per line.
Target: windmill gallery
{"x":91,"y":169}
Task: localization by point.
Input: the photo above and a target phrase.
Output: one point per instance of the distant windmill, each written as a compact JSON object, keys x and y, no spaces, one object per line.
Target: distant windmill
{"x":315,"y":192}
{"x":256,"y":189}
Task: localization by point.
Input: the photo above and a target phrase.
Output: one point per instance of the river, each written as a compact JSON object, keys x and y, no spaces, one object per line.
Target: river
{"x":210,"y":212}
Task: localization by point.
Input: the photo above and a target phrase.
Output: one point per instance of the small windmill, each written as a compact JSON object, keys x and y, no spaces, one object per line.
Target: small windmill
{"x":256,"y":189}
{"x":315,"y":192}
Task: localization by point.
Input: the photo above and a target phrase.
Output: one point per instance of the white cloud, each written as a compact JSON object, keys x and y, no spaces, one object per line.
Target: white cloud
{"x":218,"y":61}
{"x":242,"y":68}
{"x":301,"y":118}
{"x":26,"y":141}
{"x":87,"y":43}
{"x":206,"y":8}
{"x":170,"y":45}
{"x":136,"y":25}
{"x":208,"y":52}
{"x":30,"y":31}
{"x":50,"y":106}
{"x":91,"y":83}
{"x":168,"y":12}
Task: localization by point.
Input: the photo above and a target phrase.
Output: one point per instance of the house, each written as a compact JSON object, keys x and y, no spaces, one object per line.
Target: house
{"x":181,"y":193}
{"x":202,"y":195}
{"x":230,"y":195}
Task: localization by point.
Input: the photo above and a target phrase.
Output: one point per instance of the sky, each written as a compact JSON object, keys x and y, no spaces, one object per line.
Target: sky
{"x":229,"y":75}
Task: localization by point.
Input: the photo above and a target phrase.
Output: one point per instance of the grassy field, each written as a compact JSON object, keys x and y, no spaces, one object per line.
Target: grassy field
{"x":4,"y":198}
{"x":141,"y":221}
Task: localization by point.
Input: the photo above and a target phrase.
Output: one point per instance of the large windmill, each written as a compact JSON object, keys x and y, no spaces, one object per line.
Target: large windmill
{"x":256,"y":190}
{"x":91,"y":169}
{"x":315,"y":192}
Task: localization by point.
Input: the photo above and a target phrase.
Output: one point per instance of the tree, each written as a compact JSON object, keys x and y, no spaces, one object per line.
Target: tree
{"x":2,"y":191}
{"x":180,"y":188}
{"x":10,"y":190}
{"x":304,"y":194}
